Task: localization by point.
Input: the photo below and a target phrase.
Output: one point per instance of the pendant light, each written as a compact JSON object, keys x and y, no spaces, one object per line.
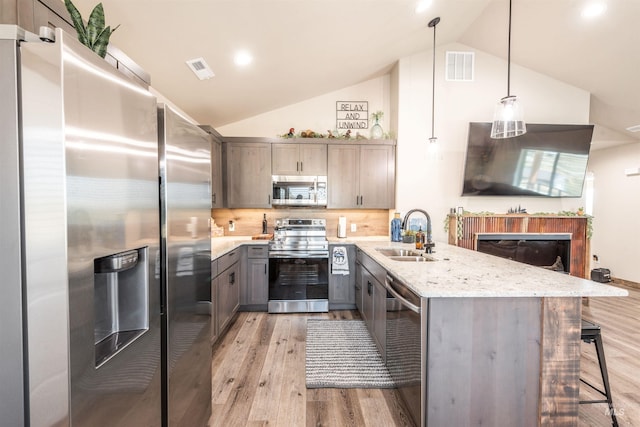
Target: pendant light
{"x":432,"y":24}
{"x":508,"y":119}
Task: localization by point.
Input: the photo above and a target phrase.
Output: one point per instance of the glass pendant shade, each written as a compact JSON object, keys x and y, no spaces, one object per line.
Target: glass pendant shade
{"x":508,"y":119}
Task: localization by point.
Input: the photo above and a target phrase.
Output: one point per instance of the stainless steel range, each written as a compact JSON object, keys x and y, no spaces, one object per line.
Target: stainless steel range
{"x":299,"y":266}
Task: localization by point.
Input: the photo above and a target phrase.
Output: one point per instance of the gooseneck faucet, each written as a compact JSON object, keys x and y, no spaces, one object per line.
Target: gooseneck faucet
{"x":405,"y":223}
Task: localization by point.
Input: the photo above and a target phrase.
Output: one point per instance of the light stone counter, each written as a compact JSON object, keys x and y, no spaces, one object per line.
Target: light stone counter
{"x":222,"y":245}
{"x":458,"y":272}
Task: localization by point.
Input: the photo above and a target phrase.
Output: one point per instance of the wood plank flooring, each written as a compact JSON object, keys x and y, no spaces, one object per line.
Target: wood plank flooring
{"x":259,"y":374}
{"x":619,"y":318}
{"x":259,"y":380}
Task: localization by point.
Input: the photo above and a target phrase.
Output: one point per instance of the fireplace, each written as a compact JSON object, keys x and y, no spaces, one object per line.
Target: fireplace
{"x":549,"y":250}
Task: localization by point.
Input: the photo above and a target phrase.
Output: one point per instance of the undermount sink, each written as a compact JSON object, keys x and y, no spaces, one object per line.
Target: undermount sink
{"x":418,"y":258}
{"x":405,"y":255}
{"x":394,"y":252}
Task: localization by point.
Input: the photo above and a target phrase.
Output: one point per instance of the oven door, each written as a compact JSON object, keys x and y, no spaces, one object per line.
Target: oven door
{"x":298,"y":283}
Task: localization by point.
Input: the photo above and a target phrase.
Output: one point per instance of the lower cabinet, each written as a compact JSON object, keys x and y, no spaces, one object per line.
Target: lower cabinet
{"x":225,"y":292}
{"x":255,"y":283}
{"x":342,"y":286}
{"x":372,"y":302}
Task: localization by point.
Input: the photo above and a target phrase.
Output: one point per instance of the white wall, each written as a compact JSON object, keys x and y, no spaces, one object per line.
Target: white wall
{"x":432,"y":179}
{"x":317,"y":114}
{"x":616,"y":234}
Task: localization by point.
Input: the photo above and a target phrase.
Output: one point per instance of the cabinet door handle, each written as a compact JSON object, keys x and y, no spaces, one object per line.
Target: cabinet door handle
{"x":265,"y":269}
{"x":301,"y":167}
{"x":369,"y":286}
{"x":232,"y":278}
{"x":214,"y":198}
{"x":268,"y":199}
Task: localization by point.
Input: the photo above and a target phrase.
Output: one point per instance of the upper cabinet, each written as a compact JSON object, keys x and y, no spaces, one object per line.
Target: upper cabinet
{"x":247,"y":169}
{"x":217,"y":181}
{"x":299,"y":159}
{"x":361,"y":176}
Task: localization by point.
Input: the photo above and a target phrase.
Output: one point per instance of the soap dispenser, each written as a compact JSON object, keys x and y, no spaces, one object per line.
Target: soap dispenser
{"x":396,"y":228}
{"x":420,"y":239}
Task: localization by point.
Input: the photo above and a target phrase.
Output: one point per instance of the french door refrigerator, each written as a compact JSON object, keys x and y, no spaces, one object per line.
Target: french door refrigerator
{"x":82,"y":270}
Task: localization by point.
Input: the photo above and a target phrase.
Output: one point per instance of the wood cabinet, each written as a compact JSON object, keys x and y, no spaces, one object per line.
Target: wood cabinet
{"x":342,"y":287}
{"x":216,"y":175}
{"x":225,"y":291}
{"x":247,"y":169}
{"x":374,"y":299}
{"x":299,"y":159}
{"x":254,"y":293}
{"x":361,"y":176}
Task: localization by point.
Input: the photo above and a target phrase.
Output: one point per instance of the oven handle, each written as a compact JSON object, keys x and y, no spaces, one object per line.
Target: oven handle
{"x":388,"y":284}
{"x":293,"y":254}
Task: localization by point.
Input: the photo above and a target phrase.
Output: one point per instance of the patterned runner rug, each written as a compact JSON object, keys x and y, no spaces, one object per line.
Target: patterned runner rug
{"x":342,"y":354}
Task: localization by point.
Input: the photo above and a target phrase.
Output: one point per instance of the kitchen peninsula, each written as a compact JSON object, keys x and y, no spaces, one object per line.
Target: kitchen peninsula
{"x":500,"y":339}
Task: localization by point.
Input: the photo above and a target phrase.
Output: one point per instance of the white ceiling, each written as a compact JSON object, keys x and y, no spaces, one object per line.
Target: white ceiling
{"x":305,"y":48}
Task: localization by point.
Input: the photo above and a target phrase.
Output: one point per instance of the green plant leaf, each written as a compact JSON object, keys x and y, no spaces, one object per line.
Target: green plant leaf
{"x":95,"y":26}
{"x":77,"y":22}
{"x":102,"y":42}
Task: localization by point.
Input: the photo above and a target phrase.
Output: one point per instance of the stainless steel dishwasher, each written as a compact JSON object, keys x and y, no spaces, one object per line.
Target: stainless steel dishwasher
{"x":406,"y":345}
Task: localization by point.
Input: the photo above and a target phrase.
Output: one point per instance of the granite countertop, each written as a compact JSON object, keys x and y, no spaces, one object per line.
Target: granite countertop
{"x":222,"y":245}
{"x":458,"y":272}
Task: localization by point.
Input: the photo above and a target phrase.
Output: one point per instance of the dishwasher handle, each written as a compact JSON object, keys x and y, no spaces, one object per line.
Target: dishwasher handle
{"x":389,"y":285}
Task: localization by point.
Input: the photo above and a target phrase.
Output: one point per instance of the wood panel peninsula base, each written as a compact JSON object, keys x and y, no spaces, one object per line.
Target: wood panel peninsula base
{"x":500,"y":339}
{"x":502,"y":361}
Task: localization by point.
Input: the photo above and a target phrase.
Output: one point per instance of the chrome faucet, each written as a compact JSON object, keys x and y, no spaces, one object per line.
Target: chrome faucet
{"x":405,"y":223}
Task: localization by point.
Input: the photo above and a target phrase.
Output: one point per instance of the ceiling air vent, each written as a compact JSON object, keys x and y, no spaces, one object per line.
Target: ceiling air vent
{"x":635,"y":128}
{"x":459,"y":67}
{"x":200,"y":68}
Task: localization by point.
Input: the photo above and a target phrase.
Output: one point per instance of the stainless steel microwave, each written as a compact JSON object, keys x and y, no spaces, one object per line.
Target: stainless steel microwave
{"x":293,"y":190}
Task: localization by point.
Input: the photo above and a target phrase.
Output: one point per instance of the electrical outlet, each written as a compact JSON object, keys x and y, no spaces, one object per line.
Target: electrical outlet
{"x":353,"y":228}
{"x":232,"y":226}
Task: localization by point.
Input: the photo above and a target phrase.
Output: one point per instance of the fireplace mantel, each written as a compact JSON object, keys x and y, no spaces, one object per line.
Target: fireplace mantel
{"x":463,"y":230}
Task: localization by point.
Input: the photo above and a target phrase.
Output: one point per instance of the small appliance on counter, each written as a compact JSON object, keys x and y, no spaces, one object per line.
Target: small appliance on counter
{"x":342,"y":227}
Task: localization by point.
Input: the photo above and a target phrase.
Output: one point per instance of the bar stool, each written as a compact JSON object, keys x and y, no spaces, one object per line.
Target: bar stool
{"x":591,"y":334}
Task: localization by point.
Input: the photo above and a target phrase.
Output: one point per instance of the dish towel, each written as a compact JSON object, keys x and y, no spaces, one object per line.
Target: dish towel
{"x":339,"y":261}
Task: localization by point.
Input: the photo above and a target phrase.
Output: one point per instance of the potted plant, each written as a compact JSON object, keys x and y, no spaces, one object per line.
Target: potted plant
{"x":376,"y":129}
{"x":94,"y":35}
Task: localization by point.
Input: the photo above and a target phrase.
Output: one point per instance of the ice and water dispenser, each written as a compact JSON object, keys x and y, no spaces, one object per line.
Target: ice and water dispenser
{"x":121,"y":301}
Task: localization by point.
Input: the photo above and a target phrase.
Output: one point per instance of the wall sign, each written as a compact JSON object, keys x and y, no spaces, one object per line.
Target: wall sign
{"x":352,"y":115}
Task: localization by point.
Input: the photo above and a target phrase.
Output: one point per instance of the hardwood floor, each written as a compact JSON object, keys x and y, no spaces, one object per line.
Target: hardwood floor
{"x":259,"y":379}
{"x":619,"y":318}
{"x":259,"y":374}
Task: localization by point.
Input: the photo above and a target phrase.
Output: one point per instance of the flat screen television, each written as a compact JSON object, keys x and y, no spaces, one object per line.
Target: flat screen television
{"x":550,"y":160}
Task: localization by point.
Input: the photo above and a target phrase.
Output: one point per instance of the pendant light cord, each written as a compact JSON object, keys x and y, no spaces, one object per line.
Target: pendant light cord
{"x":433,"y":86}
{"x":433,"y":23}
{"x":508,"y":54}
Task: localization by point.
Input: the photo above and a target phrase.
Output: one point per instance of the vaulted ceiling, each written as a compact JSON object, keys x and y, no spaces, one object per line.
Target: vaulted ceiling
{"x":305,"y":48}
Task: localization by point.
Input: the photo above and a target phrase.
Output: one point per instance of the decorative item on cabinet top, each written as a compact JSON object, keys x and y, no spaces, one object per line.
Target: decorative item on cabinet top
{"x":94,"y":35}
{"x":331,"y":134}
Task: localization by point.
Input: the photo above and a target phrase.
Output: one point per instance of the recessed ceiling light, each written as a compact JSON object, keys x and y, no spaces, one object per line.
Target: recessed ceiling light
{"x":594,"y":9}
{"x":243,"y":58}
{"x":423,"y":5}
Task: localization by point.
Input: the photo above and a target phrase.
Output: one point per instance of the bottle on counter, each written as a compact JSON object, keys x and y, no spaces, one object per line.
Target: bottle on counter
{"x":420,"y":239}
{"x":264,"y":223}
{"x":396,"y":228}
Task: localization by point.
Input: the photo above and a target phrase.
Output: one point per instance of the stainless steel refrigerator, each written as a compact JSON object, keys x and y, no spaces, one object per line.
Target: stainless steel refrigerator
{"x":185,"y":189}
{"x":83,"y":276}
